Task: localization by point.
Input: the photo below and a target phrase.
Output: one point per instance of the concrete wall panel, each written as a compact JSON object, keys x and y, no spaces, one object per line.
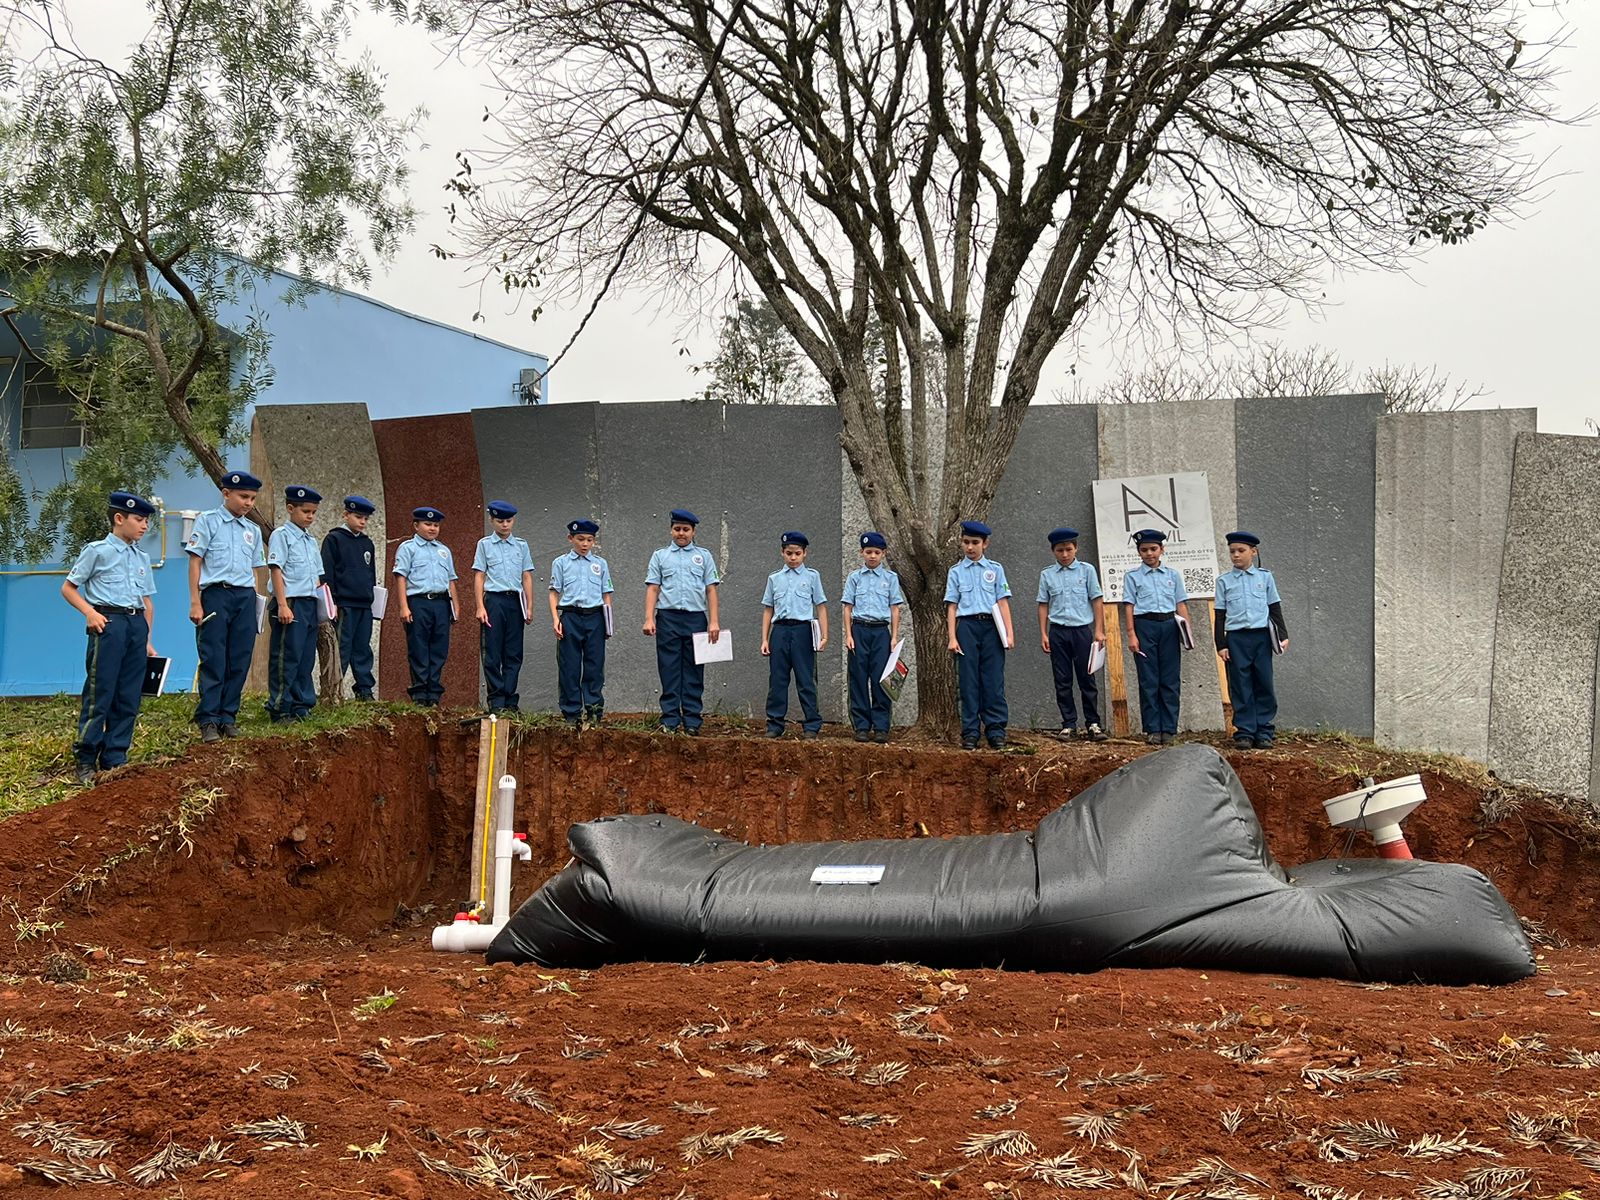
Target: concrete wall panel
{"x":432,"y":460}
{"x":329,"y":447}
{"x":1047,"y":484}
{"x":1305,"y":485}
{"x":1443,"y":499}
{"x":1541,"y":711}
{"x":1151,"y":439}
{"x":546,"y":461}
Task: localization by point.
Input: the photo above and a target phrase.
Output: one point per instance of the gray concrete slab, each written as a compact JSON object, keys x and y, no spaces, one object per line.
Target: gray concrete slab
{"x":545,"y":460}
{"x":1305,"y":471}
{"x":1442,"y":502}
{"x":1150,"y":439}
{"x":792,"y":450}
{"x":1048,"y":483}
{"x":1541,"y":709}
{"x":654,"y":458}
{"x":329,"y":447}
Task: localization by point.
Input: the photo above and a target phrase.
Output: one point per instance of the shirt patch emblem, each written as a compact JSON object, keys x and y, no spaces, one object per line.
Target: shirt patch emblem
{"x":249,"y":537}
{"x":698,"y":560}
{"x":366,"y":557}
{"x":594,"y":568}
{"x":443,"y":551}
{"x":989,"y":576}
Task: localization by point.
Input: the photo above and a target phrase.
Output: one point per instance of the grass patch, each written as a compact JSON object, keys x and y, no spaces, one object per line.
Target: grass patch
{"x":36,"y":739}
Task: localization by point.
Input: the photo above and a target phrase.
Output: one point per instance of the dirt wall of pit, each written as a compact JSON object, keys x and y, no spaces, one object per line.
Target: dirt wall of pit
{"x":349,"y":831}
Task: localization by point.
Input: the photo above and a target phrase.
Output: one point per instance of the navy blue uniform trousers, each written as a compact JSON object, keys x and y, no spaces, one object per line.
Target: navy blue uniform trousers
{"x":226,"y":642}
{"x":792,"y":654}
{"x":355,"y":647}
{"x":581,"y":662}
{"x":1250,"y":687}
{"x":683,"y":681}
{"x":1069,"y":660}
{"x":427,"y":646}
{"x":291,"y":658}
{"x":113,"y":685}
{"x":981,"y":676}
{"x":1160,"y":673}
{"x":501,"y":644}
{"x":869,"y":703}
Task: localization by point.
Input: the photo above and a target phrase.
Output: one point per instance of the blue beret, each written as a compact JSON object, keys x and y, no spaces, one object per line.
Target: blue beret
{"x":241,"y":480}
{"x":359,"y":504}
{"x":1064,"y":534}
{"x":975,"y":529}
{"x":793,"y":538}
{"x":426,"y":513}
{"x":1141,"y":536}
{"x":682,"y":516}
{"x":873,"y":538}
{"x":502,"y":508}
{"x":127,"y":502}
{"x":300,"y":494}
{"x":583,"y":525}
{"x":1244,"y":536}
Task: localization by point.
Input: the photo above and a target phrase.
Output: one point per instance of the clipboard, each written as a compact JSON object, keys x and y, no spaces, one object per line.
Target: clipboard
{"x":1185,"y":633}
{"x":1097,"y":657}
{"x":610,"y":625}
{"x":380,"y":601}
{"x":261,"y":613}
{"x":1000,"y":624}
{"x":155,"y":675}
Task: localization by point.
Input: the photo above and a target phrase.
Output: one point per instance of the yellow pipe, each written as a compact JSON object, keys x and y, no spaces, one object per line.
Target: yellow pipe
{"x":488,"y":816}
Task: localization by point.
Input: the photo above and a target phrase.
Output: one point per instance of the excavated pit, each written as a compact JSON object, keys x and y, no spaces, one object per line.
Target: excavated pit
{"x":368,"y":829}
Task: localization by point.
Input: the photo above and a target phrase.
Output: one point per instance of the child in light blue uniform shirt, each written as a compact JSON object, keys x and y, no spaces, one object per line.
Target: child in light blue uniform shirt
{"x":428,"y":604}
{"x":1071,"y":621}
{"x":792,"y":600}
{"x":974,"y":590}
{"x":502,"y":584}
{"x":1248,"y":618}
{"x":872,"y":602}
{"x":1155,"y":597}
{"x":110,"y":585}
{"x":680,"y":600}
{"x":294,"y":561}
{"x":580,"y":590}
{"x":225,"y":548}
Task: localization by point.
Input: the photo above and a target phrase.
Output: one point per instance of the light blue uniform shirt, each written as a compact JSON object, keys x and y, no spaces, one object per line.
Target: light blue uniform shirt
{"x":1245,"y":596}
{"x":1068,"y":591}
{"x":502,"y":561}
{"x":871,"y":592}
{"x":426,"y":566}
{"x":114,"y":573}
{"x":976,"y":587}
{"x":793,"y":594}
{"x":296,"y":553}
{"x":228,"y":547}
{"x":580,"y":580}
{"x":683,"y":575}
{"x":1153,"y":590}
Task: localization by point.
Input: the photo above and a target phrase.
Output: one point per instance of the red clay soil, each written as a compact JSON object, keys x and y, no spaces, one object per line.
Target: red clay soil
{"x":275,"y":966}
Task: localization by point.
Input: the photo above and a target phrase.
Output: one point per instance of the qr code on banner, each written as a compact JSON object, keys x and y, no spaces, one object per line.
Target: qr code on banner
{"x":1200,"y":581}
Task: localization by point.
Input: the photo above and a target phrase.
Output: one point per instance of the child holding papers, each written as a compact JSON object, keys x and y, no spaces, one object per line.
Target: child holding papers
{"x":872,"y":605}
{"x":680,"y":600}
{"x":1250,"y":630}
{"x":794,"y":626}
{"x":1156,"y":598}
{"x":978,"y":615}
{"x":1071,"y":624}
{"x":580,"y":614}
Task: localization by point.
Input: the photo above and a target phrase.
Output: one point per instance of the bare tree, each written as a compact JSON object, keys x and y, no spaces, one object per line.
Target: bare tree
{"x":1271,"y":369}
{"x":983,"y":173}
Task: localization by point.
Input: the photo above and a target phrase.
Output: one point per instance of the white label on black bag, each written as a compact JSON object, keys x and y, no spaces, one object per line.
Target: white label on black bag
{"x":843,"y":874}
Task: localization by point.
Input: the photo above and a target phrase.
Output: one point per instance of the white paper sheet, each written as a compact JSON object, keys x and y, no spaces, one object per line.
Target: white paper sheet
{"x":707,"y":651}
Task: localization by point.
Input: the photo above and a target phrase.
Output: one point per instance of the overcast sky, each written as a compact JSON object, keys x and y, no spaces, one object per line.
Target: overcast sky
{"x":1513,"y":311}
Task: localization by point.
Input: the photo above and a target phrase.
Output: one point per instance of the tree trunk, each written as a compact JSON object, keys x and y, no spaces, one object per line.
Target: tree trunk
{"x":938,"y":711}
{"x":329,"y":677}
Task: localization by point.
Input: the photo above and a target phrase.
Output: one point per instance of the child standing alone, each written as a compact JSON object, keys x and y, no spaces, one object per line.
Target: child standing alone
{"x":792,"y":601}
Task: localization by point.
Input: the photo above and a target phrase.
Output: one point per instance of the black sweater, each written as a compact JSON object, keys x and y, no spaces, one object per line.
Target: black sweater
{"x":349,"y":565}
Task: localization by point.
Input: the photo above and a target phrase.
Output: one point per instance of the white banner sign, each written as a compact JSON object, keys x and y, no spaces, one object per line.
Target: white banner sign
{"x":1179,"y":505}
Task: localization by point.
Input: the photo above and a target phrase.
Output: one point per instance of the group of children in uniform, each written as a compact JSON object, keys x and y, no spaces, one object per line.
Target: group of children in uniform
{"x":112,"y":582}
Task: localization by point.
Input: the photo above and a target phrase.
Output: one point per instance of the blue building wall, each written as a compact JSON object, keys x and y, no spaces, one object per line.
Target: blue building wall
{"x":334,"y":347}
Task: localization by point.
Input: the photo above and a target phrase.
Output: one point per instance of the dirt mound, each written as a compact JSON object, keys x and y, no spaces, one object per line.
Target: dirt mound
{"x":350,"y":830}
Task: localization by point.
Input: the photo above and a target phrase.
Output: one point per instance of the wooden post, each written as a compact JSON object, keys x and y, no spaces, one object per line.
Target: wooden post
{"x":1116,"y":684}
{"x":1222,"y":674}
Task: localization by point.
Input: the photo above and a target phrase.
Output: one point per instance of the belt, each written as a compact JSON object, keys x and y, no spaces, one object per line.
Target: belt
{"x":112,"y":610}
{"x":232,"y":587}
{"x":977,"y":617}
{"x":1064,"y":625}
{"x":430,"y":596}
{"x":690,"y":611}
{"x":869,"y":624}
{"x":1155,"y":616}
{"x":579,"y":608}
{"x":790,"y":621}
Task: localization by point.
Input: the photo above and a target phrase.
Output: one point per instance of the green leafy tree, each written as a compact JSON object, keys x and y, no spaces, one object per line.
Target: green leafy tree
{"x":757,"y":361}
{"x":983,"y":173}
{"x":142,"y":197}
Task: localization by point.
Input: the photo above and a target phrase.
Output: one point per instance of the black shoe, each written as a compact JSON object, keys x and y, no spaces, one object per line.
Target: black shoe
{"x":1095,"y":734}
{"x":1243,"y":743}
{"x":84,"y":774}
{"x":1067,"y":732}
{"x":997,"y":743}
{"x":692,"y":731}
{"x":863,"y":736}
{"x":665,"y":728}
{"x":1168,"y":738}
{"x":1265,"y":743}
{"x":774,"y":734}
{"x":1152,"y":739}
{"x":881,"y":737}
{"x":210,"y":733}
{"x":229,"y":731}
{"x":809,"y":735}
{"x":365,"y":696}
{"x":573,"y":723}
{"x":283,"y":720}
{"x":969,"y":743}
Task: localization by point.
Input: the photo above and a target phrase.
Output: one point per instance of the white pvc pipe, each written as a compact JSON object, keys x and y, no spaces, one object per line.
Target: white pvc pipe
{"x":470,"y":935}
